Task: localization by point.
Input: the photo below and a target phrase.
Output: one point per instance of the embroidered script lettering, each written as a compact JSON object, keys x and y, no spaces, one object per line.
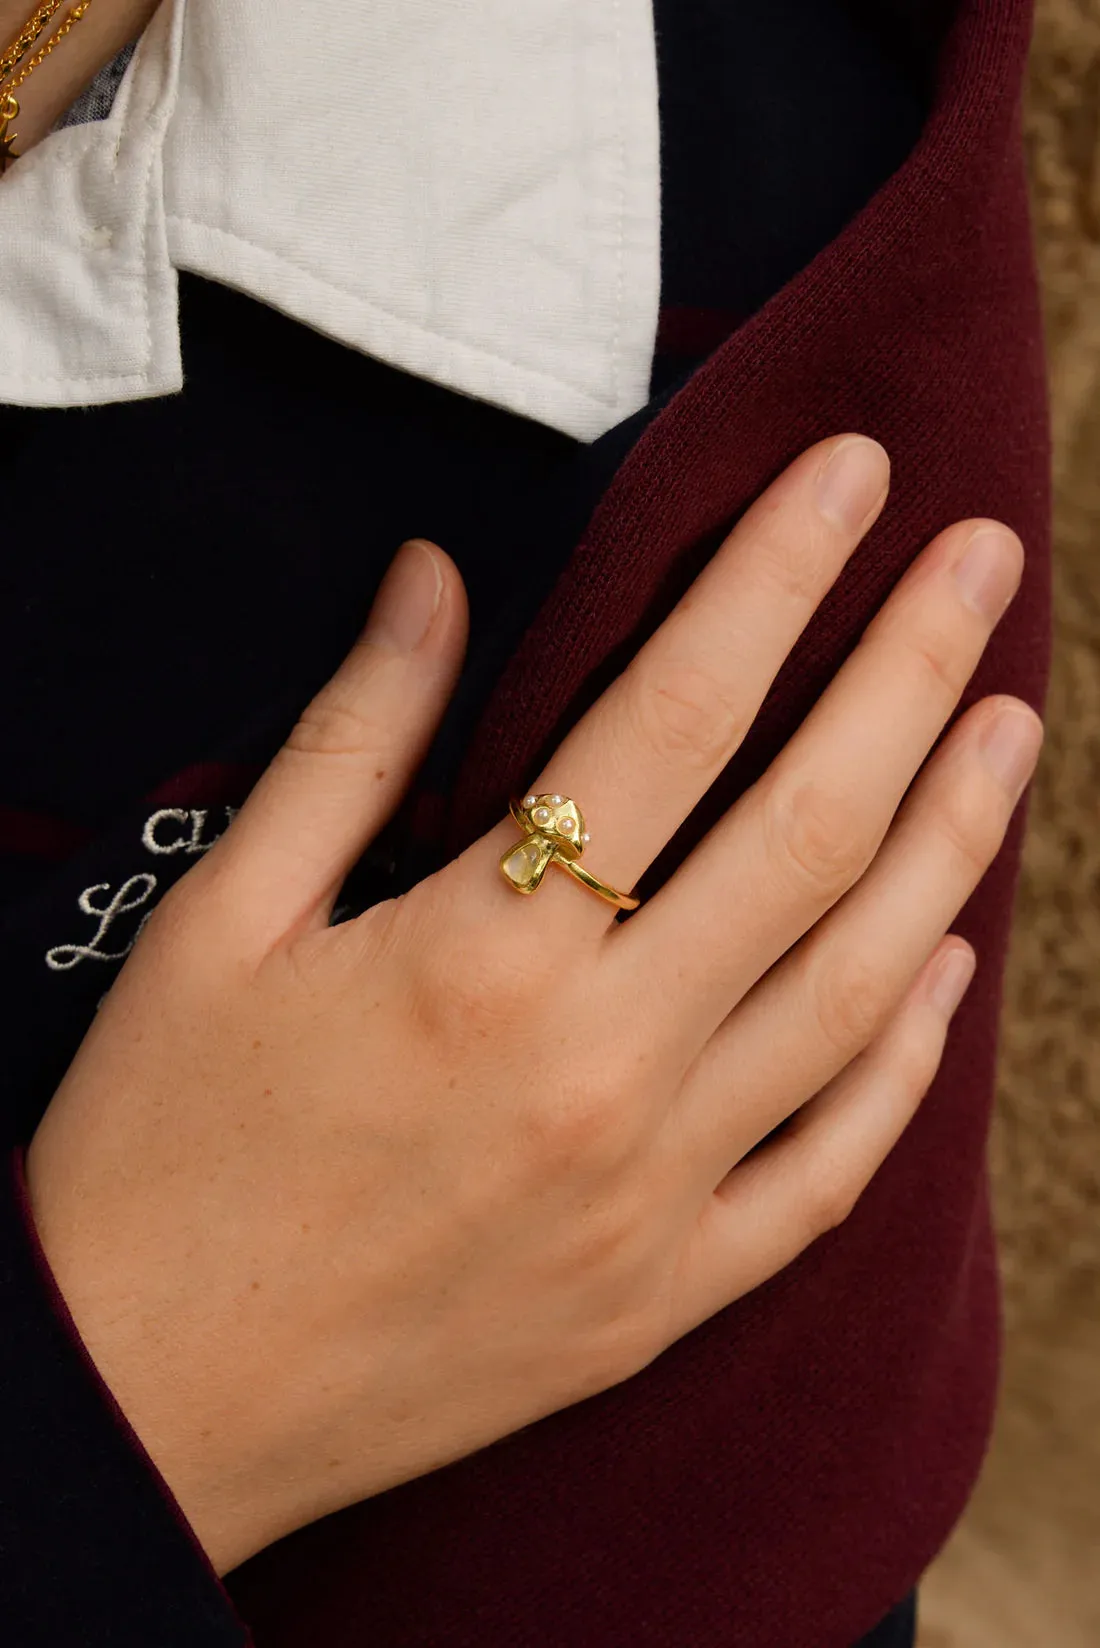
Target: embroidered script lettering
{"x":168,"y":831}
{"x":174,"y":830}
{"x":130,"y":896}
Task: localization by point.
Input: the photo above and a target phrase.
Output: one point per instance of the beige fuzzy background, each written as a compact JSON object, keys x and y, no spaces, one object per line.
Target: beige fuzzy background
{"x":1023,"y":1570}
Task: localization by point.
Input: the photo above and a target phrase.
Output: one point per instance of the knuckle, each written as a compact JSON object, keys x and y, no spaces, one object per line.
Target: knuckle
{"x":915,"y":1057}
{"x":835,"y":1192}
{"x":971,"y":828}
{"x":465,"y":994}
{"x":819,"y":838}
{"x":938,"y":658}
{"x":792,"y":563}
{"x":582,"y":1126}
{"x":687,"y":716}
{"x":336,"y":723}
{"x":849,"y":1003}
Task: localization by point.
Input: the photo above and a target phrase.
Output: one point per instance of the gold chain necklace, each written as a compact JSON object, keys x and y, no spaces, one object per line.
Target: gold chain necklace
{"x":27,"y":36}
{"x":9,"y":103}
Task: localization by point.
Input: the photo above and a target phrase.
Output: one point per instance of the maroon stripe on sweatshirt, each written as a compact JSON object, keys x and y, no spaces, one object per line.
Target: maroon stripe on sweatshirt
{"x":208,"y":783}
{"x":25,"y":834}
{"x":34,"y":835}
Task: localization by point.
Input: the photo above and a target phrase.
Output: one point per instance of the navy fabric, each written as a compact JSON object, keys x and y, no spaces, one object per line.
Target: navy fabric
{"x":98,"y":98}
{"x":897,"y":1630}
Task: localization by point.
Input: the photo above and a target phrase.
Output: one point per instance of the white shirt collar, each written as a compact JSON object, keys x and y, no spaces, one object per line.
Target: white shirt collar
{"x":469,"y":192}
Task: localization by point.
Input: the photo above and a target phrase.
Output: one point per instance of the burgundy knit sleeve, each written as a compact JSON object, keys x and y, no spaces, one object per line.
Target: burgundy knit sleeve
{"x":94,"y":1550}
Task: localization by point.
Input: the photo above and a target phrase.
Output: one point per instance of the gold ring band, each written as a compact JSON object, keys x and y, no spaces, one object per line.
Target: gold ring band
{"x":553,"y":833}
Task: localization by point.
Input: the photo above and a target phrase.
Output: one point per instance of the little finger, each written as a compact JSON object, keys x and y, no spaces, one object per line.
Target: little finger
{"x":832,"y":994}
{"x":807,"y":1180}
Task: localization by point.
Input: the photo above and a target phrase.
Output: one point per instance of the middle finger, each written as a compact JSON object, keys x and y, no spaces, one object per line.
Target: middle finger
{"x":640,"y":759}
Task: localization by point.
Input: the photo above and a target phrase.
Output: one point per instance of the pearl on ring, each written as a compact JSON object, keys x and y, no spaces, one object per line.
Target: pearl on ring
{"x":554,"y":836}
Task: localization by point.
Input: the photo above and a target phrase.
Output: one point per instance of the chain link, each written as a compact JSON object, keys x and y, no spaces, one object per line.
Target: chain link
{"x":27,"y":36}
{"x":43,"y":52}
{"x":9,"y":103}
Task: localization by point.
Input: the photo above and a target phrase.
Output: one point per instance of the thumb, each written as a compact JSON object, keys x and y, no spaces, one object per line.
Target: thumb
{"x":350,"y":759}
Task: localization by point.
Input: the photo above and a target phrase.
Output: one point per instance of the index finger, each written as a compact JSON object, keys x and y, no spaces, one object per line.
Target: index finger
{"x":651,"y":746}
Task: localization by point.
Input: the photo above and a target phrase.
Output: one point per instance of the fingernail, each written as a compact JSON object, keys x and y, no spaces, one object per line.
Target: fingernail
{"x":852,"y":482}
{"x":951,"y":979}
{"x":988,"y":571}
{"x":1010,"y":745}
{"x":407,"y":600}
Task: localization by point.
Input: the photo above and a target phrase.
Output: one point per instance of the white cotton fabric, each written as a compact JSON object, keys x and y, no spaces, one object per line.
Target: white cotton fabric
{"x":468,"y":191}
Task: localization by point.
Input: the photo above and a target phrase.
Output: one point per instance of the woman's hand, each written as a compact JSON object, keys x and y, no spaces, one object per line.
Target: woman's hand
{"x":332,"y":1206}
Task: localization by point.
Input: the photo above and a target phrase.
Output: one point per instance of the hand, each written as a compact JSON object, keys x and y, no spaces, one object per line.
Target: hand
{"x":332,"y":1206}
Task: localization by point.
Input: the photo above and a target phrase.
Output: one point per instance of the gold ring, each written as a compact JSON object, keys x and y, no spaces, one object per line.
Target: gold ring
{"x":553,"y":833}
